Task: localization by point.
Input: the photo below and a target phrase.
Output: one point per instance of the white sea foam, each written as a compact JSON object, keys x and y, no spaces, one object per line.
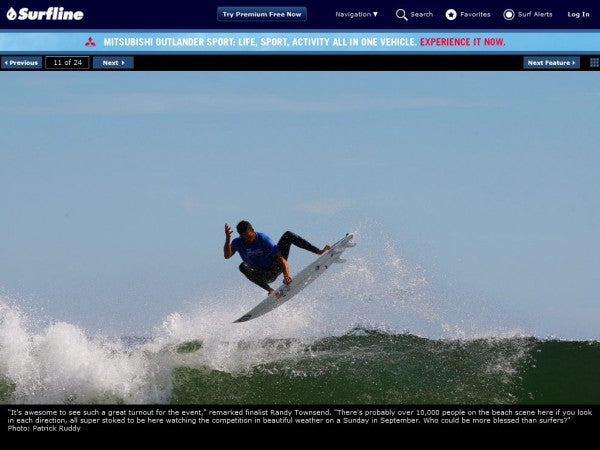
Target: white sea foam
{"x":62,"y":364}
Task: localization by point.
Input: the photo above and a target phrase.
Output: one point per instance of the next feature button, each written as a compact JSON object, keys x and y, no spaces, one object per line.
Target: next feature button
{"x":551,"y":62}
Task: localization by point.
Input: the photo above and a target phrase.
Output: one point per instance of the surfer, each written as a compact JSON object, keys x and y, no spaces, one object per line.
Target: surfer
{"x":263,"y":261}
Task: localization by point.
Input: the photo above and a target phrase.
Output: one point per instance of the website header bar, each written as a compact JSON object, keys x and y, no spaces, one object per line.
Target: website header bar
{"x":307,"y":14}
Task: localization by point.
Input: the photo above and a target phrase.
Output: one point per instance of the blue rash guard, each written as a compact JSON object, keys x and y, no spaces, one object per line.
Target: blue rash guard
{"x":261,"y":252}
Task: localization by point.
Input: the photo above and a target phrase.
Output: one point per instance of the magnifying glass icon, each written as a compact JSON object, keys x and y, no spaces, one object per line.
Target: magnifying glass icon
{"x":401,"y":14}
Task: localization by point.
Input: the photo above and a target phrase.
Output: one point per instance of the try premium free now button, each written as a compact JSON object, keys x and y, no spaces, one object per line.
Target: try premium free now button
{"x":262,"y":14}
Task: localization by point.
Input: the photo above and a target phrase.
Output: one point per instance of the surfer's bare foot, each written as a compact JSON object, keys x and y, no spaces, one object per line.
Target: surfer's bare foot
{"x":271,"y":291}
{"x":327,"y":247}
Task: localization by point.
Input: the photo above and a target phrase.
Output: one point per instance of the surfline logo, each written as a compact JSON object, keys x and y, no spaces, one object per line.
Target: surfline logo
{"x":52,"y":13}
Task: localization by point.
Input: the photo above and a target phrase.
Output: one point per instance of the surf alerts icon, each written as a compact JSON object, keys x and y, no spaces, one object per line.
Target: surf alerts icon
{"x":52,"y":13}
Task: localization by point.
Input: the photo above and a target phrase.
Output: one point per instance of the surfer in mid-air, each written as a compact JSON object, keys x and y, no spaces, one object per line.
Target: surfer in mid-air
{"x":263,"y":261}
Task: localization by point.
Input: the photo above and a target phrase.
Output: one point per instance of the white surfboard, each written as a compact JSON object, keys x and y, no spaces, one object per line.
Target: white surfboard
{"x":302,"y":279}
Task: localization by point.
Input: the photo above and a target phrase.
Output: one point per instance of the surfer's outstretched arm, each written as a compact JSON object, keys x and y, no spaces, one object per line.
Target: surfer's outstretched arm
{"x":227,"y":250}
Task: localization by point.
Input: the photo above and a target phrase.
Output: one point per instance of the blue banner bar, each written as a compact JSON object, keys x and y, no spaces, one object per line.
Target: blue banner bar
{"x":103,"y":42}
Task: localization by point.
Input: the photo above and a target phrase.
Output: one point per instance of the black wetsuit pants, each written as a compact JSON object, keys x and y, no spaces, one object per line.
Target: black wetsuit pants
{"x":264,"y":275}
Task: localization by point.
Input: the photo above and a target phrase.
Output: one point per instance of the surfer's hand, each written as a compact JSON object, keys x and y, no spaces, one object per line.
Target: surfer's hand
{"x":228,"y":231}
{"x":287,"y":279}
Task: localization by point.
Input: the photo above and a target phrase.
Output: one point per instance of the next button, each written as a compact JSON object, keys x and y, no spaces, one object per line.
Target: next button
{"x":113,"y":62}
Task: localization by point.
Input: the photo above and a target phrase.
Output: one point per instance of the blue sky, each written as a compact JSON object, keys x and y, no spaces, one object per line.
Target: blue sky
{"x":115,"y":186}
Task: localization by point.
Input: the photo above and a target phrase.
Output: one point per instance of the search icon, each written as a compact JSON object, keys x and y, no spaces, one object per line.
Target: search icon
{"x":401,"y":14}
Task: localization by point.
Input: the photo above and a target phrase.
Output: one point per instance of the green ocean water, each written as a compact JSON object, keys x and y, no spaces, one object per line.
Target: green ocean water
{"x":361,"y":367}
{"x":378,"y":368}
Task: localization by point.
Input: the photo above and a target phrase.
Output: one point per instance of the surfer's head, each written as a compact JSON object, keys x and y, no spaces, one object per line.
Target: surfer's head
{"x":244,"y":228}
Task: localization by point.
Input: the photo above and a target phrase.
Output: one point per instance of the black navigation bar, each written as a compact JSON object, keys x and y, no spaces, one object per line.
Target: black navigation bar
{"x":304,"y":62}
